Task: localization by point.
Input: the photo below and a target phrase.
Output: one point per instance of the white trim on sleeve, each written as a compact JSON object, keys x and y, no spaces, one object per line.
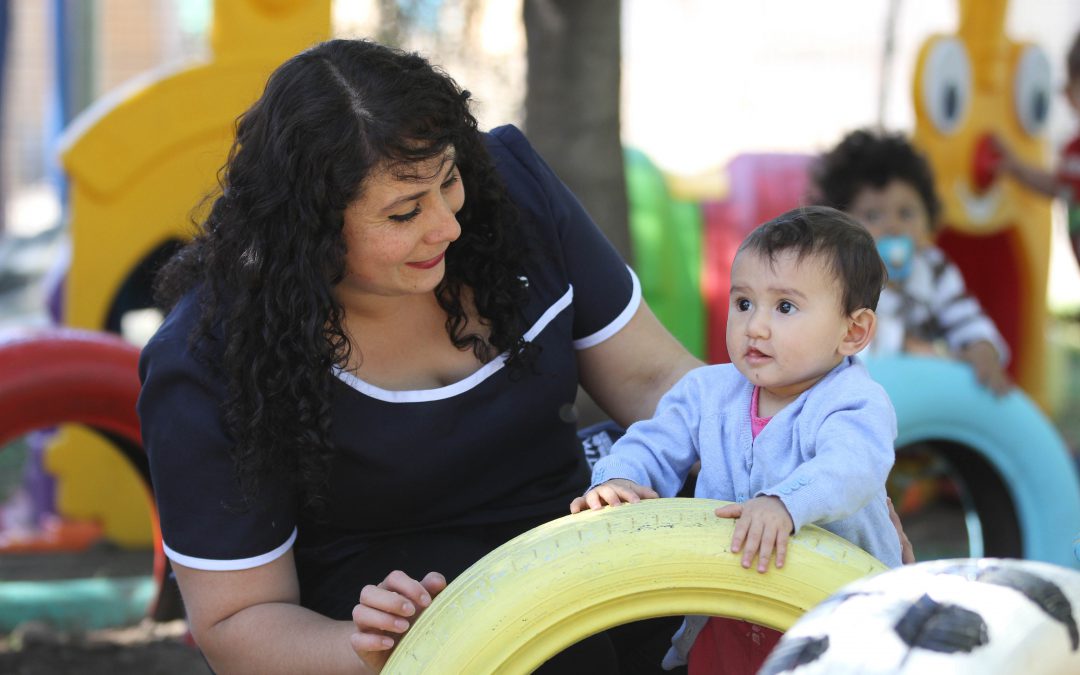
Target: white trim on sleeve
{"x":229,"y":565}
{"x":616,"y":325}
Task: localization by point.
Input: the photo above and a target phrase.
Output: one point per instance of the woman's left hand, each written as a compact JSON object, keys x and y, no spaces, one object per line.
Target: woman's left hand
{"x":387,"y":611}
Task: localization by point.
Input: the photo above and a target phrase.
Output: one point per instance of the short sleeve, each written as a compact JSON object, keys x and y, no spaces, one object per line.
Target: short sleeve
{"x":205,"y":522}
{"x":606,"y":292}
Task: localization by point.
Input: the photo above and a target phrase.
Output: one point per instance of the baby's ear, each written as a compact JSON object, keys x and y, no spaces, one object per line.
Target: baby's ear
{"x":860,"y":330}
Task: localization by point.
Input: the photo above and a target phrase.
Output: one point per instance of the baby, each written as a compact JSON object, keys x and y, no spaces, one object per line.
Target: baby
{"x":794,"y":430}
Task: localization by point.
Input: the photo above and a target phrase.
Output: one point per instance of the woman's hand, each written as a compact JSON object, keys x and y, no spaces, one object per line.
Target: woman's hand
{"x":387,"y":611}
{"x":907,"y":551}
{"x":613,"y":492}
{"x":763,"y":526}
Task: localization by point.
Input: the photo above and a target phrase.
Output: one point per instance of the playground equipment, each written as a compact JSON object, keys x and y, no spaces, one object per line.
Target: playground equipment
{"x":69,"y":376}
{"x":132,"y":188}
{"x":969,"y":85}
{"x":666,"y":233}
{"x":565,"y":580}
{"x":138,"y":161}
{"x":1016,"y":481}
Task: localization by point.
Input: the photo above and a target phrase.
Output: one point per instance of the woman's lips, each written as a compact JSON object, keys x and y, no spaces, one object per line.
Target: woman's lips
{"x":427,"y":264}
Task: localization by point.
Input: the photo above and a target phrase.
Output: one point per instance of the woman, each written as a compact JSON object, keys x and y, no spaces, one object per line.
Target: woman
{"x":370,"y":362}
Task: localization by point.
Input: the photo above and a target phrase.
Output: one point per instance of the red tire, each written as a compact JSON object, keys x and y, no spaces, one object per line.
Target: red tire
{"x":48,"y":377}
{"x":62,"y":375}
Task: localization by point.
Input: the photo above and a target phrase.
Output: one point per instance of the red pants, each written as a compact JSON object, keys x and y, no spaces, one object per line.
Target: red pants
{"x":731,"y":647}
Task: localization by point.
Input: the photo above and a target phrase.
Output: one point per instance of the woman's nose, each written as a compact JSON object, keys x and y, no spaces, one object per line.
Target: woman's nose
{"x":444,"y":226}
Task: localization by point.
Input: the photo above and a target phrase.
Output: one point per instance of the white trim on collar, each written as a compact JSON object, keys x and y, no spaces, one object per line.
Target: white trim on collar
{"x":496,"y":364}
{"x":461,"y":386}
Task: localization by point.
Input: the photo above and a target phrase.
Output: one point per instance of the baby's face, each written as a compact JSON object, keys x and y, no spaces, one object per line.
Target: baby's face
{"x":785,"y":321}
{"x":895,"y":210}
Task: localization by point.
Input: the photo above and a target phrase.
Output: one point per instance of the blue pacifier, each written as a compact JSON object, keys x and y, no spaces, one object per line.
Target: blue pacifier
{"x":897,"y":252}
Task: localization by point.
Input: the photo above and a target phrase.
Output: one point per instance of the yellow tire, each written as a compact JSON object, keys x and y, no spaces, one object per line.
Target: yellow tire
{"x":565,"y":580}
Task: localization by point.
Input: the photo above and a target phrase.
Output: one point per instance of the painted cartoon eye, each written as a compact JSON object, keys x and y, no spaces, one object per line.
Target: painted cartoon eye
{"x":1031,"y":89}
{"x":946,"y":84}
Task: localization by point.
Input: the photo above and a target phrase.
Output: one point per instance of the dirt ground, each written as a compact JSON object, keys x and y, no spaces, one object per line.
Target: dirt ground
{"x":146,"y":649}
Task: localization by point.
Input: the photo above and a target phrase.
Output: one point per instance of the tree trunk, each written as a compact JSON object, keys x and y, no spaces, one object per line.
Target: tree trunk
{"x":572,"y":104}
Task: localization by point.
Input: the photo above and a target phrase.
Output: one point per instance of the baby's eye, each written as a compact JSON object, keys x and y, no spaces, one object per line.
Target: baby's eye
{"x":742,"y":304}
{"x":785,"y":307}
{"x":406,"y":217}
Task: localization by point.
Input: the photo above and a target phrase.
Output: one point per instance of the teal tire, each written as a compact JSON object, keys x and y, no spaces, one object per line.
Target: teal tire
{"x":1021,"y":477}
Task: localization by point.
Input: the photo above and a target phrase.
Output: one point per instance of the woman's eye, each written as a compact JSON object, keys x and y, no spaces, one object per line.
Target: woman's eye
{"x":785,"y":307}
{"x":453,"y":178}
{"x":406,"y":217}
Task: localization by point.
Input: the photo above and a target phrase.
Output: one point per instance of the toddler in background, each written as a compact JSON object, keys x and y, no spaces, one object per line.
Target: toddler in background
{"x":793,"y":430}
{"x":883,"y":182}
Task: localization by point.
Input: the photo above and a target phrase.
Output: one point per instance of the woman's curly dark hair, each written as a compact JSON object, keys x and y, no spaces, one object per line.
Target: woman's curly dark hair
{"x":267,"y":257}
{"x":866,"y":158}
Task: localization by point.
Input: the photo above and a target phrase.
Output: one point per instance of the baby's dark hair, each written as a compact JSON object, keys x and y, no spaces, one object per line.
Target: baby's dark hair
{"x":865,"y":158}
{"x":1072,"y":59}
{"x":846,"y":247}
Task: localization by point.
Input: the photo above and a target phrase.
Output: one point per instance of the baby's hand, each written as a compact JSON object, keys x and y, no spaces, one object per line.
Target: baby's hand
{"x":986,"y":361}
{"x":387,"y":611}
{"x":1007,"y":162}
{"x":613,"y":492}
{"x":914,"y":345}
{"x":763,"y":525}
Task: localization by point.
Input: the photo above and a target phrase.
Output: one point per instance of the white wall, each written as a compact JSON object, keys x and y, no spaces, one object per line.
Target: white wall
{"x":704,"y":80}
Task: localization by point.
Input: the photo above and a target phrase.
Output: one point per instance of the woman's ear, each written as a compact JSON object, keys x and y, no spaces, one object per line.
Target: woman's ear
{"x":860,"y":330}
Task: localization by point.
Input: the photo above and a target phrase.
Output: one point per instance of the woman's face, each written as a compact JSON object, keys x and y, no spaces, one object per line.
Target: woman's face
{"x":398,"y":230}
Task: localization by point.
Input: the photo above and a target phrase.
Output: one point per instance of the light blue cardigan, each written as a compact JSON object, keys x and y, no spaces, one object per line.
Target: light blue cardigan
{"x":825,"y":456}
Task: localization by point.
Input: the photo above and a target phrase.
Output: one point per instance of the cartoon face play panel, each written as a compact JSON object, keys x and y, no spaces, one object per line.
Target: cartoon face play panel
{"x":968,"y":86}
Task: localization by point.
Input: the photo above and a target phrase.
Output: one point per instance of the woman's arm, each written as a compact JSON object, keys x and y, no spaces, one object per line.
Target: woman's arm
{"x":628,"y":373}
{"x":250,"y":621}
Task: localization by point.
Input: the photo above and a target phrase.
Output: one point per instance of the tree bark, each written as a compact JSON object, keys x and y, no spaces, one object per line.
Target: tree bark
{"x":572,"y":104}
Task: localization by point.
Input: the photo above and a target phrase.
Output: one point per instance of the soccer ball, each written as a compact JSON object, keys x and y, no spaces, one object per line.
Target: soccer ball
{"x":979,"y":616}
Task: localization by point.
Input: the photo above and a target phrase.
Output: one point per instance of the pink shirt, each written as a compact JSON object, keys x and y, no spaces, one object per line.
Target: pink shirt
{"x":756,"y":423}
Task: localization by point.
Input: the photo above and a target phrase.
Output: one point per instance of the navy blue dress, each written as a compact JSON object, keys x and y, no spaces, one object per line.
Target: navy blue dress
{"x":422,"y":480}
